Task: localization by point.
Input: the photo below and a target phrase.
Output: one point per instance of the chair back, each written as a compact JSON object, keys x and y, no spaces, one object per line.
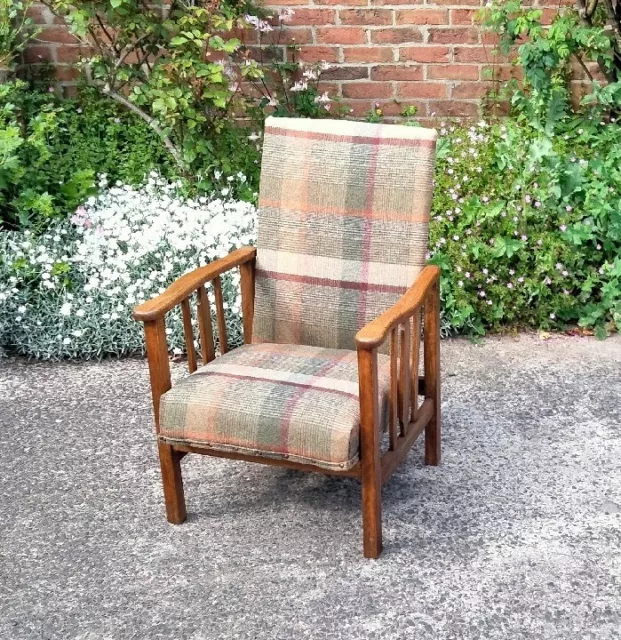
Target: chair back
{"x":343,"y":226}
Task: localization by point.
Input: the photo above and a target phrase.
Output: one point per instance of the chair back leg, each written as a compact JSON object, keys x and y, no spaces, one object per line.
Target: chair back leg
{"x":170,"y":463}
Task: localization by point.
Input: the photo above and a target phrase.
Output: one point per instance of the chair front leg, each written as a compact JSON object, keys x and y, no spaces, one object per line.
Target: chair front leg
{"x":170,"y":463}
{"x":370,"y":453}
{"x":432,"y":374}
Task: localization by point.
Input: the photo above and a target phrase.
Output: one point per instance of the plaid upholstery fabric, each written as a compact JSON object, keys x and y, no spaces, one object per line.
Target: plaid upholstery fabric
{"x":282,"y":401}
{"x":343,"y":226}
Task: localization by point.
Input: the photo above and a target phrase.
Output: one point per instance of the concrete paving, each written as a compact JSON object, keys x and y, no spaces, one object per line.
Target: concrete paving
{"x":516,"y":535}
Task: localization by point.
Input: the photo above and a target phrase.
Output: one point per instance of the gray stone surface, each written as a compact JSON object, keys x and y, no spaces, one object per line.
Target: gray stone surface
{"x":516,"y":535}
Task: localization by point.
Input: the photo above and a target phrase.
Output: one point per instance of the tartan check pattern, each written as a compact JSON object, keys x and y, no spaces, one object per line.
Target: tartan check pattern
{"x":293,"y":402}
{"x":343,"y":226}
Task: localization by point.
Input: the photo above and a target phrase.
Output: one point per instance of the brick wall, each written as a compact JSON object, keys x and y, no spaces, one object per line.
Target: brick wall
{"x":431,"y":55}
{"x":397,"y":52}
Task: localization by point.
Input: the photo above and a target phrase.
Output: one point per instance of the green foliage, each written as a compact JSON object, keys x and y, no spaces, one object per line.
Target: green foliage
{"x":51,"y":151}
{"x":527,"y":224}
{"x":184,"y":69}
{"x":16,"y":29}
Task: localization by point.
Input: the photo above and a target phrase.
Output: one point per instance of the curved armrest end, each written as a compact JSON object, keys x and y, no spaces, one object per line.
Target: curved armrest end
{"x":374,"y":333}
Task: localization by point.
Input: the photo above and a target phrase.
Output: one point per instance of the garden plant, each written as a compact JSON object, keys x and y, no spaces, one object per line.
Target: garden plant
{"x":526,"y":220}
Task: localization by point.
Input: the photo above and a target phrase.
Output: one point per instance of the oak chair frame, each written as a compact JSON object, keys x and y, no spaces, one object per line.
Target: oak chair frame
{"x":401,"y":324}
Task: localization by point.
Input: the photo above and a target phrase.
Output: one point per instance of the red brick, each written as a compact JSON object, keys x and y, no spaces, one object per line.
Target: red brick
{"x":463,"y":16}
{"x":359,"y":108}
{"x":395,"y":107}
{"x":396,"y":72}
{"x":471,"y":90}
{"x":421,"y":90}
{"x":265,"y":54}
{"x":454,"y":108}
{"x":340,"y":72}
{"x":58,"y":35}
{"x":291,"y":35}
{"x":341,"y":35}
{"x":453,"y":35}
{"x":310,"y":53}
{"x":70,"y":54}
{"x":453,"y":72}
{"x":397,"y":3}
{"x":66,"y":74}
{"x":548,"y":15}
{"x":473,"y":54}
{"x":501,"y":72}
{"x":461,"y":3}
{"x":366,"y":17}
{"x":489,"y":38}
{"x":40,"y":15}
{"x":422,"y":16}
{"x":304,"y":17}
{"x":371,"y":90}
{"x":367,"y":54}
{"x":354,"y":3}
{"x":397,"y":35}
{"x":424,"y":54}
{"x":287,"y":3}
{"x":38,"y":53}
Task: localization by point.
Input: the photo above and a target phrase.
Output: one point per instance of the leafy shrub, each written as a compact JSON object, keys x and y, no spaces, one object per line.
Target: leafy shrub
{"x":70,"y":292}
{"x":184,"y":68}
{"x":51,"y":150}
{"x":527,"y":224}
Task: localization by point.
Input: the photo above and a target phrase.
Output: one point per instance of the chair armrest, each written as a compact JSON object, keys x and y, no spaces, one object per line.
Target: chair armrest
{"x":185,"y":285}
{"x":374,"y":333}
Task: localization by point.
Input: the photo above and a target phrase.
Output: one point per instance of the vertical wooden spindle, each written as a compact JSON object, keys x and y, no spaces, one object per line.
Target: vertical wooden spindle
{"x":204,"y":324}
{"x":188,"y":334}
{"x":415,"y":363}
{"x":393,"y":400}
{"x":247,"y":293}
{"x":217,"y":289}
{"x":405,"y":374}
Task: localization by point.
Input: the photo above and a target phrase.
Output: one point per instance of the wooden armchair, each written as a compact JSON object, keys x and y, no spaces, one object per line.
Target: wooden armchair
{"x":334,"y":300}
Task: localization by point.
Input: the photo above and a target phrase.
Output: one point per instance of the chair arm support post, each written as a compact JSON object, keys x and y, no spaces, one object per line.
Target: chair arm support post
{"x":370,"y":463}
{"x":247,"y":271}
{"x":431,"y":347}
{"x":190,"y":282}
{"x":159,"y":366}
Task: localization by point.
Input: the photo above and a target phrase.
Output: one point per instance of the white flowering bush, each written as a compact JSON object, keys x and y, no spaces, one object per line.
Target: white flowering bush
{"x":70,"y":292}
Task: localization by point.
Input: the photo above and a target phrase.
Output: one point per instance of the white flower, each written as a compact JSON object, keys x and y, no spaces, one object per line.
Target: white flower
{"x":80,"y":313}
{"x":65,"y":310}
{"x":67,"y":341}
{"x":21,"y":309}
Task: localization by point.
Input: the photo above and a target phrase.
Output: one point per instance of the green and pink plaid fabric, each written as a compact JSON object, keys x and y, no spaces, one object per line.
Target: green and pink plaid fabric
{"x":294,"y":402}
{"x":343,"y":226}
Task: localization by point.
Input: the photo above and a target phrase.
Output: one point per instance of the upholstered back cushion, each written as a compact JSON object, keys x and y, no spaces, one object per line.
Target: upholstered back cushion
{"x":343,"y":226}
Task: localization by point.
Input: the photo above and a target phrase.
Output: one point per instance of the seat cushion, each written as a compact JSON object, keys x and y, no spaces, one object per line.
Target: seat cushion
{"x":290,"y":402}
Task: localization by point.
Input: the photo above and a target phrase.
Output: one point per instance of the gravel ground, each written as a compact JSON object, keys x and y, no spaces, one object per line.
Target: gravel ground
{"x":516,"y":535}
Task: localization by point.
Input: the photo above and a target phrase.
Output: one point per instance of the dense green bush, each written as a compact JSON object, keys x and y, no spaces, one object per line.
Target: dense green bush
{"x":527,"y":224}
{"x":53,"y":149}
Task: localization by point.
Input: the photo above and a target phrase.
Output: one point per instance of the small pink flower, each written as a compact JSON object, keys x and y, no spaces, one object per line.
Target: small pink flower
{"x":563,"y":227}
{"x":568,"y":208}
{"x":509,"y":285}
